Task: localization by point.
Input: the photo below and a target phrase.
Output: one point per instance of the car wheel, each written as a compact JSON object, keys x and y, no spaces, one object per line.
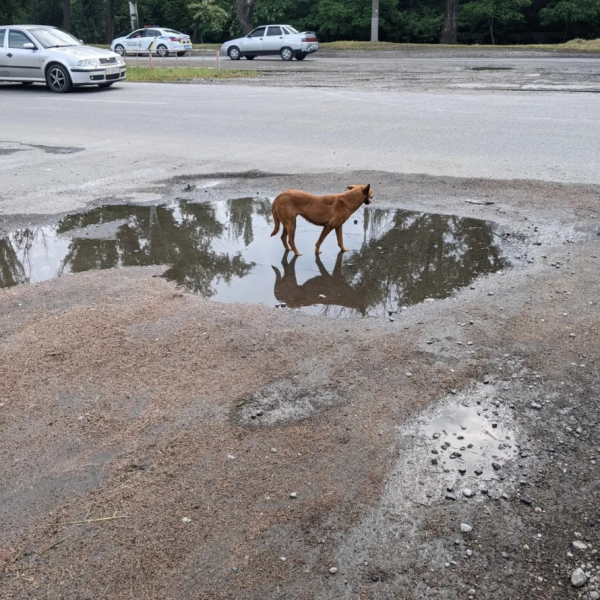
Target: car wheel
{"x":162,"y":50}
{"x":181,"y":53}
{"x":120,"y":50}
{"x":58,"y":79}
{"x":26,"y":82}
{"x":250,"y":57}
{"x":105,"y":85}
{"x":301,"y":55}
{"x":234,"y":53}
{"x":287,"y":53}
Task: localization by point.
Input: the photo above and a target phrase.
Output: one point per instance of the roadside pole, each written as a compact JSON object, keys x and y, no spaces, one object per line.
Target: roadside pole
{"x":375,"y":21}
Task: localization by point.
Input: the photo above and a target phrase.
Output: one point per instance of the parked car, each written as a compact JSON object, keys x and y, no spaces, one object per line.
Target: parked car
{"x":272,"y":39}
{"x":32,"y":53}
{"x":163,"y":41}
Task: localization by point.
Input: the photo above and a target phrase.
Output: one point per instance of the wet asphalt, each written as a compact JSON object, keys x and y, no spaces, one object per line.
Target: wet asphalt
{"x":133,"y":134}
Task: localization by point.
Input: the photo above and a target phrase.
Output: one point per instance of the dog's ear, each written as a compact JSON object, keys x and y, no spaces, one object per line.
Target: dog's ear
{"x":351,"y":187}
{"x":367,"y":190}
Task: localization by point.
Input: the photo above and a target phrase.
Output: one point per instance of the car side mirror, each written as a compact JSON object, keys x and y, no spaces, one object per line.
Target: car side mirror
{"x":28,"y":46}
{"x":81,"y":41}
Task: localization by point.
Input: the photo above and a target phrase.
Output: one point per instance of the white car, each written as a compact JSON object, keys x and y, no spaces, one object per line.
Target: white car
{"x":163,"y":42}
{"x":272,"y":39}
{"x":39,"y":53}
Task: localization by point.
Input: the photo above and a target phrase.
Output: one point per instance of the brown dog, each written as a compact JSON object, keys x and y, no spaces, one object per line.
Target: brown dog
{"x":330,"y":212}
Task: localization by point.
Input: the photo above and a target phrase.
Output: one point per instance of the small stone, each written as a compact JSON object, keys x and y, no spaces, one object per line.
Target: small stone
{"x":333,"y":570}
{"x":450,"y":496}
{"x":322,"y":296}
{"x":467,"y":493}
{"x":273,"y":450}
{"x":469,"y":552}
{"x":408,"y":374}
{"x":594,"y":595}
{"x":234,"y":569}
{"x":496,"y":466}
{"x":471,"y":592}
{"x":478,"y":472}
{"x":465,"y":528}
{"x":504,"y":555}
{"x":536,"y":406}
{"x":282,"y":304}
{"x":186,"y":520}
{"x":578,"y":578}
{"x":579,"y":545}
{"x":294,"y":495}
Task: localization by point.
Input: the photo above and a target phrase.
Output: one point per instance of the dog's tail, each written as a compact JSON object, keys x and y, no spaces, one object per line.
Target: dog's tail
{"x":275,"y":219}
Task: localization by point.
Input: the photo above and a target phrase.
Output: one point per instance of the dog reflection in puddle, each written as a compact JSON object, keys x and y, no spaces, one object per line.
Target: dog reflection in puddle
{"x":325,"y":288}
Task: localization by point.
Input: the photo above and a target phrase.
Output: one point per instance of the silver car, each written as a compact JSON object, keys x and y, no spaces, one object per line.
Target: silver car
{"x":38,"y":53}
{"x":284,"y":40}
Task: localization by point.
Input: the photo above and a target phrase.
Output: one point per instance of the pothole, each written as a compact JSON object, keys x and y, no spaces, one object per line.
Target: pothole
{"x":491,"y":68}
{"x":224,"y":251}
{"x":283,"y":401}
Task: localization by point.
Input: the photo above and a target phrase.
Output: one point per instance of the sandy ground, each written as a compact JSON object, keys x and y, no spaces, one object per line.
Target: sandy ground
{"x":158,"y":445}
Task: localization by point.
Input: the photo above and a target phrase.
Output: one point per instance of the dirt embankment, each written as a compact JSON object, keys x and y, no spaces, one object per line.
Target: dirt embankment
{"x":153,"y":447}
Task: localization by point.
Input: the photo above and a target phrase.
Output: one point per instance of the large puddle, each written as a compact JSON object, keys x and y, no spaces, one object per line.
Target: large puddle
{"x":224,"y":251}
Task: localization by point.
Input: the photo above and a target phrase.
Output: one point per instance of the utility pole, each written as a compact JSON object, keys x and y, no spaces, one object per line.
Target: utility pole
{"x":133,"y":15}
{"x":375,"y":21}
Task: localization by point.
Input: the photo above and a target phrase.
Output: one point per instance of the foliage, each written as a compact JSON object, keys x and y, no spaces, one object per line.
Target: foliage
{"x":568,"y":12}
{"x":493,"y":12}
{"x":209,"y":16}
{"x":409,"y":21}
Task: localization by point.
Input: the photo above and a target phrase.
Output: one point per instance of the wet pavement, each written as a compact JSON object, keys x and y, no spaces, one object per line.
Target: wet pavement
{"x":223,"y":251}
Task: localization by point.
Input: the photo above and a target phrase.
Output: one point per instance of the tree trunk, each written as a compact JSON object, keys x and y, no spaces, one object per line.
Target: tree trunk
{"x":245,"y":8}
{"x":566,"y":29}
{"x":110,"y":20}
{"x":450,"y":23}
{"x":67,"y":15}
{"x":491,"y":24}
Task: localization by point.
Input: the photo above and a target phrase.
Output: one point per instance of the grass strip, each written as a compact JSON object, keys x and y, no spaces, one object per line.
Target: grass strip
{"x":576,"y":45}
{"x":171,"y":74}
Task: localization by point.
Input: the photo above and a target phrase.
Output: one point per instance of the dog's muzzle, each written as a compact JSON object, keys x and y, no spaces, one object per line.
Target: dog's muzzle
{"x":367,"y":201}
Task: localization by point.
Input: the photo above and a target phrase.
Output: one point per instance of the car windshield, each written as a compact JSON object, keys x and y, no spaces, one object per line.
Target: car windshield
{"x":291,"y":29}
{"x":54,"y":38}
{"x":173,"y":31}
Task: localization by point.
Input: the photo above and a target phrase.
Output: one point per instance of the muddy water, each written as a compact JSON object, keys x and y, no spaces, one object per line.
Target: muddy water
{"x":224,"y":251}
{"x":470,"y":439}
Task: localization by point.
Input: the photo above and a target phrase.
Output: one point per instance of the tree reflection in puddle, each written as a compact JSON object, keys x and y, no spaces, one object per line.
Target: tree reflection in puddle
{"x":224,"y":251}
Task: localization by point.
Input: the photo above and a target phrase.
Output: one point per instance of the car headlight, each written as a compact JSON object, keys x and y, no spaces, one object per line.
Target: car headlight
{"x":88,"y":62}
{"x":120,"y":60}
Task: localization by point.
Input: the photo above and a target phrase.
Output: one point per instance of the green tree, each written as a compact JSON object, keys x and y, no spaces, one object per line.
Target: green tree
{"x":568,"y":12}
{"x":493,"y":12}
{"x":208,"y":17}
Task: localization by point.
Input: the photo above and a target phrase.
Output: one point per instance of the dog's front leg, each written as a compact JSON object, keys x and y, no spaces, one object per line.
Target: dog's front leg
{"x":326,"y":231}
{"x":338,"y":232}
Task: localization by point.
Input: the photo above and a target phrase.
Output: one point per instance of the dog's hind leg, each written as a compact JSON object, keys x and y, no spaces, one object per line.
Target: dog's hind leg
{"x":338,"y":232}
{"x":291,"y":229}
{"x":326,"y":231}
{"x":284,"y":238}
